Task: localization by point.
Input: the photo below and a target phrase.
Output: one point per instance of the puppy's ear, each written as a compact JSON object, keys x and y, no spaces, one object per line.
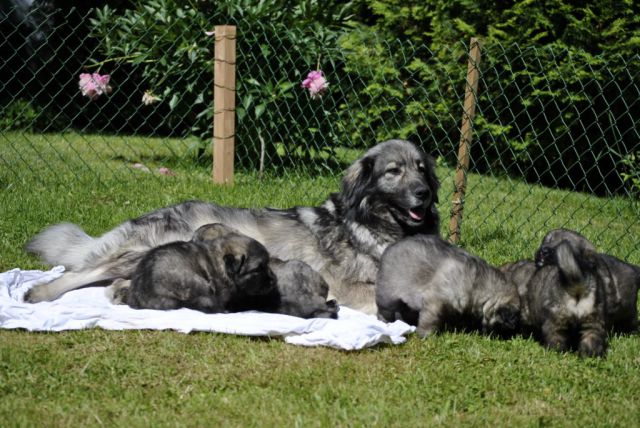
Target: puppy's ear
{"x":588,"y":260}
{"x":357,"y":180}
{"x":430,"y":175}
{"x":212,"y":231}
{"x":233,"y":263}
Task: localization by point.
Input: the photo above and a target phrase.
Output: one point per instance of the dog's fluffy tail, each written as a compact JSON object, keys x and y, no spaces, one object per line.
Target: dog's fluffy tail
{"x":568,"y":263}
{"x":62,"y":244}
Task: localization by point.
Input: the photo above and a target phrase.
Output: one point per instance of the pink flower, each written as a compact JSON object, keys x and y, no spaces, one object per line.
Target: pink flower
{"x":94,"y":85}
{"x":315,"y":83}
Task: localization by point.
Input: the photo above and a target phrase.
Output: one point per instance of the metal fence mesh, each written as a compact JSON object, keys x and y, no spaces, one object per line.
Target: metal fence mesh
{"x":546,"y":117}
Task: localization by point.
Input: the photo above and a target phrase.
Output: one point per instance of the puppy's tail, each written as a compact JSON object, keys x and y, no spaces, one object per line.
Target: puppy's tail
{"x":571,"y":265}
{"x":62,"y":244}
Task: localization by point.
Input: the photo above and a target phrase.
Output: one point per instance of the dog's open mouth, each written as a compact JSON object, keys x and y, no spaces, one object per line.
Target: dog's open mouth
{"x":417,"y":213}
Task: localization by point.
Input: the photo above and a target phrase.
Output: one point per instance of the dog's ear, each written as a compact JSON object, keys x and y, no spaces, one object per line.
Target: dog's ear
{"x":233,"y":263}
{"x":430,"y":175}
{"x":357,"y":181}
{"x":212,"y":231}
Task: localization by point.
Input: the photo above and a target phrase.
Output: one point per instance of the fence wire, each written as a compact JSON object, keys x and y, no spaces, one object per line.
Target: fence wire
{"x":548,"y":117}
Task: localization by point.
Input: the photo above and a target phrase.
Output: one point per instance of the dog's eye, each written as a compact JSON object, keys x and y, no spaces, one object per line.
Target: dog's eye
{"x":421,"y":167}
{"x":393,"y":170}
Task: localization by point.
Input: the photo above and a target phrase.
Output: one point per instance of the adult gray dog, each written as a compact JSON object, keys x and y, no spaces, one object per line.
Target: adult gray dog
{"x":387,"y":194}
{"x":430,"y":283}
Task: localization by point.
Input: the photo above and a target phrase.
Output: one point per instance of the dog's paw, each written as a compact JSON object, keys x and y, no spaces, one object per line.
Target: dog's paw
{"x":37,"y":294}
{"x":594,"y":346}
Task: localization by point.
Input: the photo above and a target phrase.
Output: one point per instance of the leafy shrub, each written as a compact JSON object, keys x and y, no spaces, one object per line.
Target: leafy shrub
{"x":164,"y":42}
{"x":558,"y":86}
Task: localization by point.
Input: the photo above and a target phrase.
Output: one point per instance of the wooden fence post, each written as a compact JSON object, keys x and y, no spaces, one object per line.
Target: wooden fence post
{"x":224,"y":103}
{"x":466,"y":137}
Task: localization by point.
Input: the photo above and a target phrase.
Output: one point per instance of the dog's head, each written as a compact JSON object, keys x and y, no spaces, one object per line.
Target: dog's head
{"x":502,"y":320}
{"x":246,"y":264}
{"x":303,"y":291}
{"x":397,"y":179}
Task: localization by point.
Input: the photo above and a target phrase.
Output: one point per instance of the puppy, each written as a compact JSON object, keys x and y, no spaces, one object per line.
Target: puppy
{"x":564,"y":305}
{"x":621,"y":280}
{"x":210,"y":273}
{"x":301,"y":292}
{"x":427,"y":282}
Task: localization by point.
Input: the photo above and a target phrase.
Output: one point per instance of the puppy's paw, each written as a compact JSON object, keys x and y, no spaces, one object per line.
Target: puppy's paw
{"x":39,"y":293}
{"x":424,"y":332}
{"x":593,"y":346}
{"x":329,"y":311}
{"x":118,"y":292}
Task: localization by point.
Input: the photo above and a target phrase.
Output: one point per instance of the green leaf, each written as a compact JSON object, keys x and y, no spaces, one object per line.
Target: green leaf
{"x":174,"y":101}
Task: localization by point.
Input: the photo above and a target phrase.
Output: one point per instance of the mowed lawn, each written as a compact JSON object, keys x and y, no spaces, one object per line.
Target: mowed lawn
{"x":151,"y":378}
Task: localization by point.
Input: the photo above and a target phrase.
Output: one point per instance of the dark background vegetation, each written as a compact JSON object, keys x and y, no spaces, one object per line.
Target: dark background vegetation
{"x":558,"y":100}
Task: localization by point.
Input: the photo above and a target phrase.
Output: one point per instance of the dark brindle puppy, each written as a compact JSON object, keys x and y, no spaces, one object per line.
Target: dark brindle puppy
{"x":621,"y":280}
{"x":427,"y":282}
{"x":563,"y":301}
{"x":209,"y":275}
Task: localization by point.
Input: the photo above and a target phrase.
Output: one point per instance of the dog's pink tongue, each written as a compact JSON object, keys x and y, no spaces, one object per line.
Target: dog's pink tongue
{"x":415,"y":215}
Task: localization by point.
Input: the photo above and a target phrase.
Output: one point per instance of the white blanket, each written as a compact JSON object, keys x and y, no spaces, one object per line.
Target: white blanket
{"x":90,"y":307}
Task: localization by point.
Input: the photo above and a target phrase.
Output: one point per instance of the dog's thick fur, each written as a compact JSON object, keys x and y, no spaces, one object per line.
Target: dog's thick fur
{"x":430,"y":283}
{"x":212,"y":275}
{"x":387,"y":194}
{"x":621,"y":280}
{"x":563,"y":302}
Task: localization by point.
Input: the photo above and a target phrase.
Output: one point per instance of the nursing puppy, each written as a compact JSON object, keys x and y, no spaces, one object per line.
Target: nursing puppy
{"x":300,"y":291}
{"x":621,"y":280}
{"x":209,"y":274}
{"x":564,"y":305}
{"x":427,"y":282}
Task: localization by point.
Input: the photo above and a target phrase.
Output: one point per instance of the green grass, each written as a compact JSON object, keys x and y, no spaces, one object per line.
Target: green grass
{"x":149,"y":378}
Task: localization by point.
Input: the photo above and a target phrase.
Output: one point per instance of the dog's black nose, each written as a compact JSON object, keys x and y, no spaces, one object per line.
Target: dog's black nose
{"x":422,"y":192}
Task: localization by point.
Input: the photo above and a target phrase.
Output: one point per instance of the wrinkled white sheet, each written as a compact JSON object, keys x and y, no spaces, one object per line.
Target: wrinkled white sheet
{"x":90,"y":307}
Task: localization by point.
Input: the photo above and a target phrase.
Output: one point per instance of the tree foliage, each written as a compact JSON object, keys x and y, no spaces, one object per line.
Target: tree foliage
{"x":558,"y":95}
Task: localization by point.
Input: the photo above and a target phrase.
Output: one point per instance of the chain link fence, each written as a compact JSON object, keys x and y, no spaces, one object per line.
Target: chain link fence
{"x":554,"y":119}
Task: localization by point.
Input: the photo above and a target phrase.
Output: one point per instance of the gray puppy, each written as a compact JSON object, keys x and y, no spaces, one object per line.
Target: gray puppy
{"x":621,"y":280}
{"x":210,"y":273}
{"x":302,"y":292}
{"x":563,"y":304}
{"x":427,"y":282}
